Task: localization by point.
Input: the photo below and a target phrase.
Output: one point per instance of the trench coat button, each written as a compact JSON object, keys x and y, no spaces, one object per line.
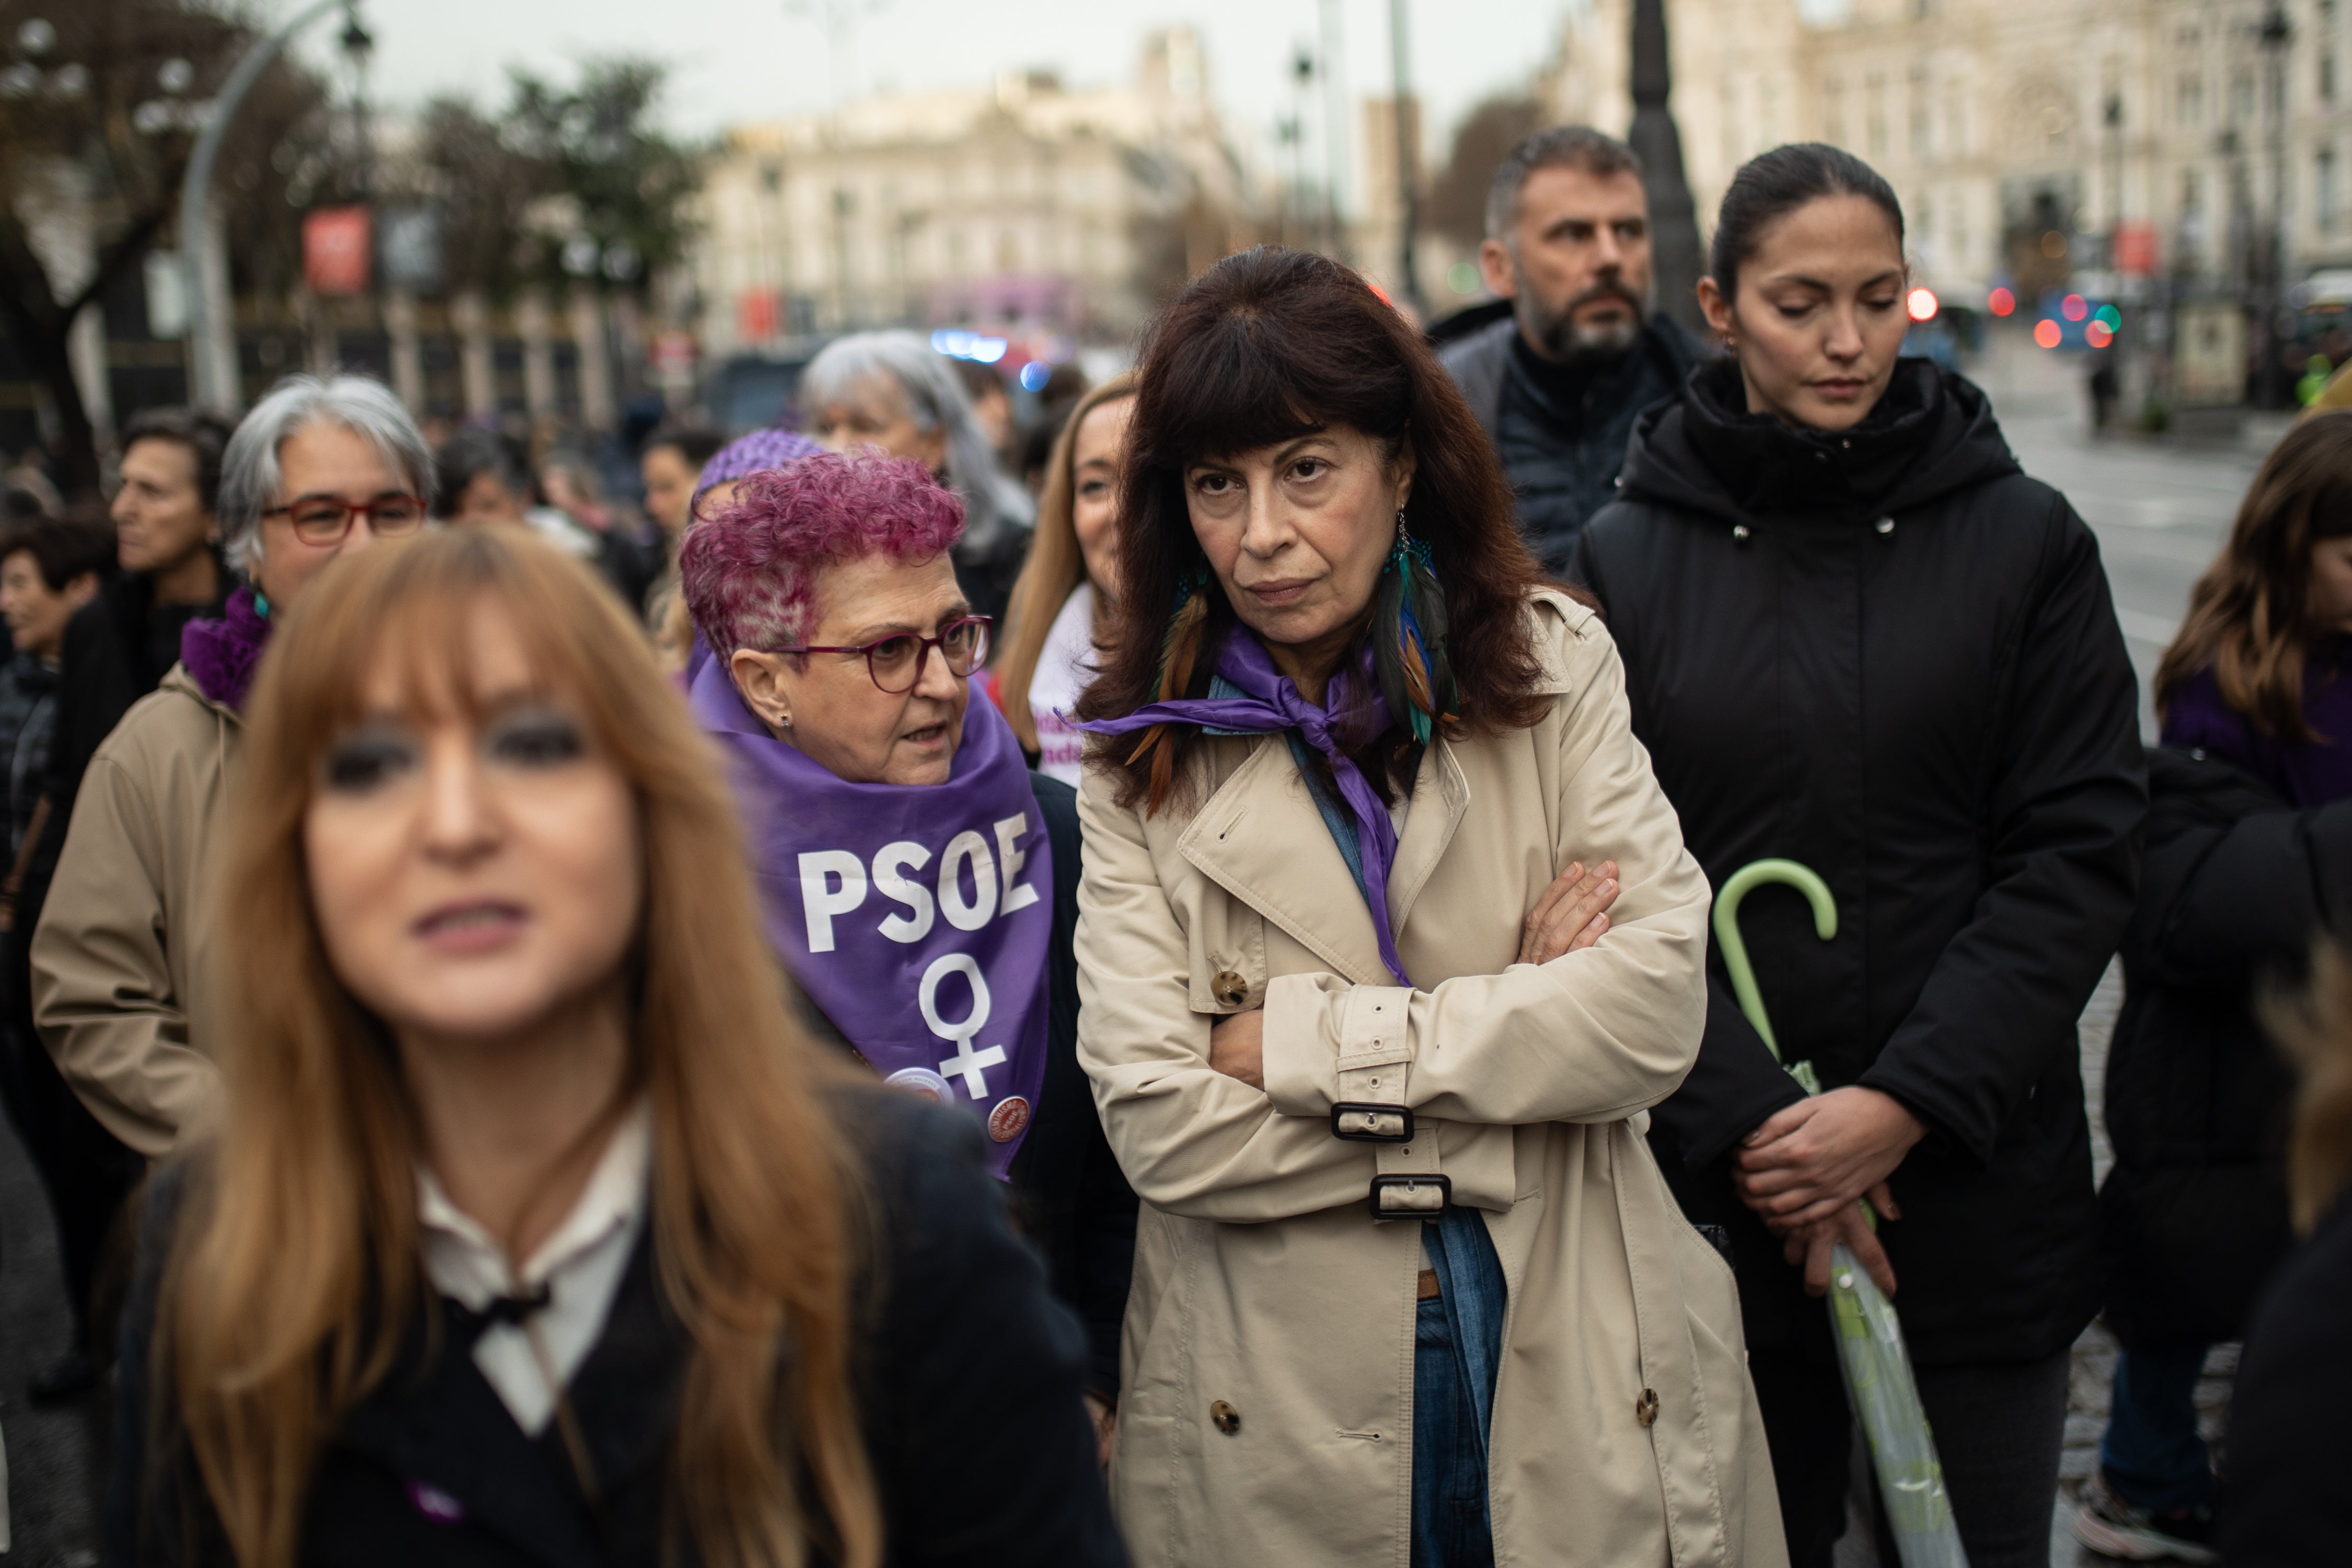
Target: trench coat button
{"x":1739,"y":532}
{"x":1884,"y":525}
{"x":1224,"y":1418}
{"x":1645,"y":1409}
{"x":1229,"y":988}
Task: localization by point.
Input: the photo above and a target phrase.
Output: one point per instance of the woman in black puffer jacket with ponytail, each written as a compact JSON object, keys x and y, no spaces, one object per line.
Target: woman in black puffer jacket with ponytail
{"x":1857,"y":636}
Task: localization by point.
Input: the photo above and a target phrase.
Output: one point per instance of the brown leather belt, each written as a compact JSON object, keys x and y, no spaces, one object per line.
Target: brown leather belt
{"x":1427,"y":1288}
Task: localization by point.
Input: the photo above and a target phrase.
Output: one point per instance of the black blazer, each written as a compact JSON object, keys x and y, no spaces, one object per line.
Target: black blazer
{"x":968,"y":1373}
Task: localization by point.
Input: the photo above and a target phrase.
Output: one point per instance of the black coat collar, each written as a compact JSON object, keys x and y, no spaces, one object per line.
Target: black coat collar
{"x":435,"y":1420}
{"x":1932,"y":433}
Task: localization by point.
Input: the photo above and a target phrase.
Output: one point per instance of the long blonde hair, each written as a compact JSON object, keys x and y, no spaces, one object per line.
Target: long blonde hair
{"x":295,"y":1272}
{"x":1055,"y":568}
{"x":2249,"y":615}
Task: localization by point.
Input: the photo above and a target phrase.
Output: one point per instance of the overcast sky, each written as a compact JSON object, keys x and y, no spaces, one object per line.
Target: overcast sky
{"x":737,"y":60}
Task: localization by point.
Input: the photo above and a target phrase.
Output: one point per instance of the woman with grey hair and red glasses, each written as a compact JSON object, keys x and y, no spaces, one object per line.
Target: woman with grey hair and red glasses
{"x":918,"y":880}
{"x":121,"y":959}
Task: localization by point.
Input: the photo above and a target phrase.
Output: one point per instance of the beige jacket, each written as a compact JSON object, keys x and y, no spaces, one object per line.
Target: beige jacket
{"x":1625,"y":1431}
{"x":123,"y":962}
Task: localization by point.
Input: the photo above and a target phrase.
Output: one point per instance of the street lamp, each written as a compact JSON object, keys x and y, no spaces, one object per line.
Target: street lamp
{"x":212,"y":344}
{"x":1674,"y":221}
{"x":2273,"y":35}
{"x":1408,"y":169}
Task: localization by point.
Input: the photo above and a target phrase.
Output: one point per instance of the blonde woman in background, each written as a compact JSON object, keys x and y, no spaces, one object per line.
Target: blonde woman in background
{"x":1067,"y":589}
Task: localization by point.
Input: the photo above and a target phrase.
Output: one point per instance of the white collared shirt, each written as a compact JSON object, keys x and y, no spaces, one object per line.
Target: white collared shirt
{"x":581,"y":1263}
{"x":1065,"y":666}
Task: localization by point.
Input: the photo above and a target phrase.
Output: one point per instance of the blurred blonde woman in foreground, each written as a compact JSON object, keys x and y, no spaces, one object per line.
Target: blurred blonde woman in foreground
{"x":535,"y":1231}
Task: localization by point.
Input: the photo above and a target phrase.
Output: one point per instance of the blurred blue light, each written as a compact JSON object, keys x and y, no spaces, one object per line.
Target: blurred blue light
{"x":1033,"y":375}
{"x":956,"y":343}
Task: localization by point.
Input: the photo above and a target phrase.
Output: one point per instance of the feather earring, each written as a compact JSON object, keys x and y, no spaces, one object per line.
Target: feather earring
{"x":1409,"y":637}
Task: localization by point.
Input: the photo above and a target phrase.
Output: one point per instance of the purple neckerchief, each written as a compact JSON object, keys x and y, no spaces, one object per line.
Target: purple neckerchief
{"x":918,"y":920}
{"x":221,"y":654}
{"x":1270,"y":703}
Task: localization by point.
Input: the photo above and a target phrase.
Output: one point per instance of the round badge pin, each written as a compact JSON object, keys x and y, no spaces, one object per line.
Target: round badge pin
{"x":1009,"y":1119}
{"x":922,"y":1080}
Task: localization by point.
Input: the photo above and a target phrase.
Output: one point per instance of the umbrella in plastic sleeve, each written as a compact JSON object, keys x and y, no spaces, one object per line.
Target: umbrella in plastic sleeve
{"x":1870,"y":1340}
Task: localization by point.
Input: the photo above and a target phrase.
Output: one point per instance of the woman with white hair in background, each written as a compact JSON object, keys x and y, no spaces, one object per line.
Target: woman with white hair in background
{"x":122,"y":967}
{"x":892,"y":391}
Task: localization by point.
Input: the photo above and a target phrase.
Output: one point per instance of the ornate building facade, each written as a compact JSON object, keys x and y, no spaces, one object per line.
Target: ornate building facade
{"x":2031,"y":140}
{"x":1027,"y":205}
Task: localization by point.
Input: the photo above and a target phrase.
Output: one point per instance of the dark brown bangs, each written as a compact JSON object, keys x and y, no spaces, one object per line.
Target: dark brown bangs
{"x":1265,"y":347}
{"x":1259,"y":376}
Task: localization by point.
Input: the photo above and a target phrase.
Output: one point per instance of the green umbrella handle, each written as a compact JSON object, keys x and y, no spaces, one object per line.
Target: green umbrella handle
{"x":1735,"y":948}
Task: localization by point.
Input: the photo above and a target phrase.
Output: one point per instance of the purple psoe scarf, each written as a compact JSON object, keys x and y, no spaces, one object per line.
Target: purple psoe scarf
{"x":752,"y":454}
{"x":221,"y":654}
{"x":1270,"y":703}
{"x":863,"y":889}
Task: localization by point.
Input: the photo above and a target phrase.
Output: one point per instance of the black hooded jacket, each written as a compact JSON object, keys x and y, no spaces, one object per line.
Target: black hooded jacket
{"x":2193,"y":1218}
{"x":1889,"y":655}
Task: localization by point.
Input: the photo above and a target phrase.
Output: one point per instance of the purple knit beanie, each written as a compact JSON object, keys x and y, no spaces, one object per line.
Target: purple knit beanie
{"x":751,"y":454}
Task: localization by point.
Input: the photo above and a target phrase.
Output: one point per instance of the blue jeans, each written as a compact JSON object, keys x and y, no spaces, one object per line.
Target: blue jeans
{"x":1457,"y":1344}
{"x":2151,"y":1453}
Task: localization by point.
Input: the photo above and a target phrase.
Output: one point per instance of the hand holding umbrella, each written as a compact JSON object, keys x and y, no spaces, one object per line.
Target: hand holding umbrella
{"x":1811,"y":1175}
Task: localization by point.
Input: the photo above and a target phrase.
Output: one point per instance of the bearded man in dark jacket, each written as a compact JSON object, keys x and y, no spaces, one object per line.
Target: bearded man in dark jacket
{"x":1888,"y":654}
{"x":1558,"y":381}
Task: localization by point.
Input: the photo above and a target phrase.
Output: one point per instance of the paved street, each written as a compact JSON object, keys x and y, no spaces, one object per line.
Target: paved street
{"x":52,"y":1453}
{"x":2160,"y":511}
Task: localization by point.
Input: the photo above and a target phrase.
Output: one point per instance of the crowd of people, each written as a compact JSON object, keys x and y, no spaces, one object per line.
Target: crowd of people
{"x":1168,"y":1013}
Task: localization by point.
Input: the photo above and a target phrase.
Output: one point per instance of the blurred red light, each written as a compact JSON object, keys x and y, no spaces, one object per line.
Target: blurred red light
{"x":2001,"y":301}
{"x":2098,"y":335}
{"x":2046,"y":333}
{"x":2075,"y":307}
{"x":1921,"y":303}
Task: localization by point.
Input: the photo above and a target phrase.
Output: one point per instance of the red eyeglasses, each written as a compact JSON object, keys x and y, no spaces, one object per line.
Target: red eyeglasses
{"x":896,"y":662}
{"x":324,"y":519}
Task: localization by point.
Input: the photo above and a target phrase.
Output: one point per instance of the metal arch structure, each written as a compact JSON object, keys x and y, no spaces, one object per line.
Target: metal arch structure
{"x":196,"y":191}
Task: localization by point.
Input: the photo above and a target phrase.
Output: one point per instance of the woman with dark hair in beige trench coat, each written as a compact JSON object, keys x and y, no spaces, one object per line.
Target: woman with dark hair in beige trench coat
{"x":1371,"y":1042}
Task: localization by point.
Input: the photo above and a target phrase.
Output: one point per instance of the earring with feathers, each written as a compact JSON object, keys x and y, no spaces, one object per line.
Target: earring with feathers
{"x":1409,"y":637}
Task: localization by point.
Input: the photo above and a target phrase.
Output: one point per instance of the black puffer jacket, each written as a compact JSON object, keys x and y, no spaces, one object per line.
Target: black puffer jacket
{"x":1891,"y":656}
{"x":2193,"y":1218}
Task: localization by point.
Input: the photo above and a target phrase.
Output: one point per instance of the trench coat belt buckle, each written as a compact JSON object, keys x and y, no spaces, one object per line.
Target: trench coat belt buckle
{"x":1411,"y":1194}
{"x":1363,"y":1121}
{"x":1407,"y":1184}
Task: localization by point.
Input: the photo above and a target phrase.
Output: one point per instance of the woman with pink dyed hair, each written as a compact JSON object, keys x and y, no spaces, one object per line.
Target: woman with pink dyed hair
{"x":918,"y":880}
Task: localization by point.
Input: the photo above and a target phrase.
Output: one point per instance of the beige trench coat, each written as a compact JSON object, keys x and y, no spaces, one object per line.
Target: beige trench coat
{"x":1625,"y":1431}
{"x":123,"y":960}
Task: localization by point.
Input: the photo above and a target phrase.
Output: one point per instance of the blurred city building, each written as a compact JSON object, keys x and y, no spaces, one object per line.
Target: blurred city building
{"x":2098,"y":144}
{"x":1028,"y":207}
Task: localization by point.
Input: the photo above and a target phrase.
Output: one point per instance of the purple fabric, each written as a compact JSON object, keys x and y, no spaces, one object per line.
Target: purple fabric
{"x":1272,"y":703}
{"x":2305,"y":773}
{"x":221,"y":654}
{"x":760,"y":450}
{"x":864,"y":888}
